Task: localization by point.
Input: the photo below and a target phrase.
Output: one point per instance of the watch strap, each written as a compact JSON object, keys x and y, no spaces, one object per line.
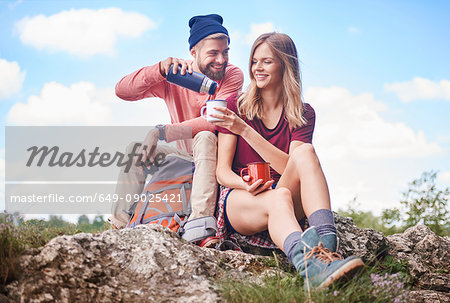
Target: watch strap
{"x":162,"y":132}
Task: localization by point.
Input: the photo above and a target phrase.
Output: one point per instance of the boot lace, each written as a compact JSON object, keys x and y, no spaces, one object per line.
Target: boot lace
{"x":323,"y":254}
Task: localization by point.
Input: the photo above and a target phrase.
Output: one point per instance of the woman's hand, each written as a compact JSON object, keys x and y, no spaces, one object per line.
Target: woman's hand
{"x":231,"y":121}
{"x":257,"y":186}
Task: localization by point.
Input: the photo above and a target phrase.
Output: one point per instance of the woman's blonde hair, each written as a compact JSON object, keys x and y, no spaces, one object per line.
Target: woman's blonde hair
{"x":250,"y":104}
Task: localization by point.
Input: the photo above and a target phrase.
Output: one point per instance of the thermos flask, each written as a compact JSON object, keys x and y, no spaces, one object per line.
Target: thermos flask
{"x":195,"y":81}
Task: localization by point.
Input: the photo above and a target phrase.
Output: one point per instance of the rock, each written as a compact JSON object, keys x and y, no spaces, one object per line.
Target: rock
{"x":153,"y":264}
{"x":427,"y":257}
{"x":368,"y":244}
{"x":428,"y":296}
{"x":144,"y":264}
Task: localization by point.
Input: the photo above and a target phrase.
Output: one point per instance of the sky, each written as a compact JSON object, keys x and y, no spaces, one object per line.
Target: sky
{"x":376,"y":72}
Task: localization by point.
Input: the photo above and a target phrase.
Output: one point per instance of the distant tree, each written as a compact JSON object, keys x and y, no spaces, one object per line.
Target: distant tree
{"x":98,"y":222}
{"x":423,"y":203}
{"x":97,"y":225}
{"x":83,"y":219}
{"x":390,"y":219}
{"x":362,"y":219}
{"x":57,"y":221}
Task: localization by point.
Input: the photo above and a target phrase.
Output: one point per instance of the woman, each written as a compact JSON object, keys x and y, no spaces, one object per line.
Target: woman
{"x":270,"y":123}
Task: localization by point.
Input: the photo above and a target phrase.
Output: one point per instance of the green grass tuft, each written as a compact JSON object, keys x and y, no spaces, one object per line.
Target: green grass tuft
{"x":387,"y":281}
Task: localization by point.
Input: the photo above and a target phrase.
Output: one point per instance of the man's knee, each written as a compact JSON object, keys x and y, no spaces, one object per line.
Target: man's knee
{"x":205,"y":137}
{"x":132,"y":147}
{"x":205,"y":143}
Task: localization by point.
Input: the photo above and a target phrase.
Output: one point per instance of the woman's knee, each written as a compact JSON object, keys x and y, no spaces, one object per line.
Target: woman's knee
{"x":304,"y":152}
{"x":283,"y":198}
{"x":283,"y":193}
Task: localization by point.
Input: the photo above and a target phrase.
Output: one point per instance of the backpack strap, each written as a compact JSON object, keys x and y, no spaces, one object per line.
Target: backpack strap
{"x":132,"y":209}
{"x":150,"y":171}
{"x":198,"y":229}
{"x":186,"y":205}
{"x":177,"y":219}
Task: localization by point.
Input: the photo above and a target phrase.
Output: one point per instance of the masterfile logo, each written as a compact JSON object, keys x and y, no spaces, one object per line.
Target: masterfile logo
{"x":68,"y":169}
{"x":52,"y":157}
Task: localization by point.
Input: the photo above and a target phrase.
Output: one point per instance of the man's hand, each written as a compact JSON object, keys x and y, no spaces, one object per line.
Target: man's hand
{"x":148,"y":147}
{"x":164,"y":66}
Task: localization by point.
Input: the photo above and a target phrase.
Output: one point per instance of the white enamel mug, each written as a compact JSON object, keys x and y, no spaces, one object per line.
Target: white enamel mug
{"x":209,"y":107}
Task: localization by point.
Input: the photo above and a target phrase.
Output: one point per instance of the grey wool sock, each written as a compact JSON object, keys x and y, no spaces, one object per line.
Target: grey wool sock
{"x":323,"y":221}
{"x":289,"y":243}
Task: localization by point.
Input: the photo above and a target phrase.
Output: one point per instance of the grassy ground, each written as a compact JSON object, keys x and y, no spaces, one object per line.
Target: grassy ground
{"x":387,"y":281}
{"x":384,"y":282}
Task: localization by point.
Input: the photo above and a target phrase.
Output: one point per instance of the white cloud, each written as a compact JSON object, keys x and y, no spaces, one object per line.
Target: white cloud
{"x":11,"y":78}
{"x":420,"y":89}
{"x":59,"y":104}
{"x":361,"y":153}
{"x":82,"y":32}
{"x":84,"y":104}
{"x":145,"y":112}
{"x":258,"y":29}
{"x":351,"y":125}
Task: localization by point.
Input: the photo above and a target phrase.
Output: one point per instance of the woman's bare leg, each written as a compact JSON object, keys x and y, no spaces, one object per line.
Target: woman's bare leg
{"x":304,"y":177}
{"x":303,"y":182}
{"x":271,"y":210}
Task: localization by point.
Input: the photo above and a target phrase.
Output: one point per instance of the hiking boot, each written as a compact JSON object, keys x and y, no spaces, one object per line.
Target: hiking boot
{"x":330,"y":241}
{"x":318,"y":265}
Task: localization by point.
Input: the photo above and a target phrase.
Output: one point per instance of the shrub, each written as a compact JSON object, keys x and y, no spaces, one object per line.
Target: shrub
{"x":423,"y":203}
{"x":10,"y":247}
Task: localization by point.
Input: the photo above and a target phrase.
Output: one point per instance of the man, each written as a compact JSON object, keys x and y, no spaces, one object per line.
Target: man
{"x":208,"y":43}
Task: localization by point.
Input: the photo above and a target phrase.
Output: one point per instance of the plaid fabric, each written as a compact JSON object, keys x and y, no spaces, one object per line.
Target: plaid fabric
{"x":261,"y":239}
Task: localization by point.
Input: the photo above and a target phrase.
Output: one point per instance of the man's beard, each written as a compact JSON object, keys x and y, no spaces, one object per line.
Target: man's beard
{"x":216,"y":76}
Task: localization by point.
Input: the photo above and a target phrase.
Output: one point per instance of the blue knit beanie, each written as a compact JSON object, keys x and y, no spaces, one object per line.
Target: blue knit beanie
{"x":203,"y":26}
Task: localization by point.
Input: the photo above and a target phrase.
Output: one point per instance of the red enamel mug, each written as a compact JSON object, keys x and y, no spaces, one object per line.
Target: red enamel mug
{"x":256,"y":171}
